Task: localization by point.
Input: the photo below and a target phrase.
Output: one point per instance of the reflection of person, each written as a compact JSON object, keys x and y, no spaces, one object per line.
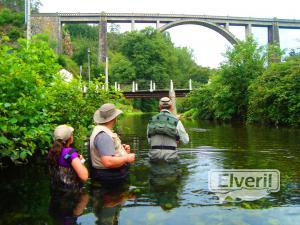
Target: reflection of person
{"x":164,"y":132}
{"x":65,"y":164}
{"x":164,"y":182}
{"x":109,"y":158}
{"x":66,"y":207}
{"x":107,"y":203}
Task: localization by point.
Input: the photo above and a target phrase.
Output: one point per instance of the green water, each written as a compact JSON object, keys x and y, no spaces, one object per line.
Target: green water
{"x":169,"y":194}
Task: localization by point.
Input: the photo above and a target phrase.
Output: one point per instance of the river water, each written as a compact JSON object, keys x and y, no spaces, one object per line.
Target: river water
{"x":169,"y":194}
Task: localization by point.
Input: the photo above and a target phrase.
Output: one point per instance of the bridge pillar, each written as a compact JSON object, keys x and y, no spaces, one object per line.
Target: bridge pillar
{"x":59,"y":36}
{"x":273,"y":34}
{"x":157,"y":24}
{"x":132,"y":25}
{"x":172,"y":96}
{"x":248,"y":29}
{"x":227,"y":26}
{"x":51,"y":25}
{"x":273,"y":38}
{"x":102,"y":46}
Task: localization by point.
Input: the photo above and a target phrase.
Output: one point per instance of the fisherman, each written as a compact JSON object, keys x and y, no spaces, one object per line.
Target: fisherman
{"x":164,"y":132}
{"x":109,"y":158}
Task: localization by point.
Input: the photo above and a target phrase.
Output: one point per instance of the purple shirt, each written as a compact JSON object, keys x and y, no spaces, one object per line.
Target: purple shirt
{"x":67,"y":163}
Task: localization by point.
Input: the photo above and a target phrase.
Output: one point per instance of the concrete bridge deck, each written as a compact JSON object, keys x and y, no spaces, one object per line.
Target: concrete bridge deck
{"x":167,"y":18}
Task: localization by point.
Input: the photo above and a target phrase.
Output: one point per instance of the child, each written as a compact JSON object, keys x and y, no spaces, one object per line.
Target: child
{"x":65,"y":164}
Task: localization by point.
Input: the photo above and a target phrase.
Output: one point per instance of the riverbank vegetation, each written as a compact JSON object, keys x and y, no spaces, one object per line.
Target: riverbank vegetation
{"x":249,"y":86}
{"x":35,"y":98}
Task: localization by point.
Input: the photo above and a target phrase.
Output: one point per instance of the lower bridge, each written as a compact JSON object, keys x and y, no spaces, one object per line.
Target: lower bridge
{"x":155,"y":93}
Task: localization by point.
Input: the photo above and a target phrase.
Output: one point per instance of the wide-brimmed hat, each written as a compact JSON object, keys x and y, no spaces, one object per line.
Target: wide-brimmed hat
{"x":165,"y":102}
{"x":63,"y":132}
{"x":106,"y":113}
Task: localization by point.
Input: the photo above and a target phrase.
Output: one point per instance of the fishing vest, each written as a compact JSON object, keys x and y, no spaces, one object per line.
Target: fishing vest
{"x":163,"y":123}
{"x":95,"y":159}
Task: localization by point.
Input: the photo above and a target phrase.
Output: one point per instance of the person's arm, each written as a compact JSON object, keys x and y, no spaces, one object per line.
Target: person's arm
{"x":107,"y":153}
{"x":80,"y":169}
{"x":117,"y":161}
{"x":183,"y":135}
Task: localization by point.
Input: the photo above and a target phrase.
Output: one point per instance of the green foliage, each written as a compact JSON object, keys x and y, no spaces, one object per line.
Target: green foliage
{"x":275,"y":96}
{"x":18,"y":5}
{"x":226,"y":96}
{"x":121,"y":69}
{"x":243,"y":88}
{"x":34,"y":99}
{"x":25,"y":125}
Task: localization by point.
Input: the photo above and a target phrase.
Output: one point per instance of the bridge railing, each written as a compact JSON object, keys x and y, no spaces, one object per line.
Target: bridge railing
{"x":152,"y":85}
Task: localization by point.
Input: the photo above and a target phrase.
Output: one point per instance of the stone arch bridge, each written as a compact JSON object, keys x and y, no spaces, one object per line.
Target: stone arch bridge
{"x":52,"y":23}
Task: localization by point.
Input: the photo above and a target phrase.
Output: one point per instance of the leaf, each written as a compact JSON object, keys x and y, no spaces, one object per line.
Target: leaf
{"x":3,"y":140}
{"x":13,"y":120}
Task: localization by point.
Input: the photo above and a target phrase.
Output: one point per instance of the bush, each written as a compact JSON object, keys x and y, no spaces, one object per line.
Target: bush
{"x":275,"y":96}
{"x":34,"y":99}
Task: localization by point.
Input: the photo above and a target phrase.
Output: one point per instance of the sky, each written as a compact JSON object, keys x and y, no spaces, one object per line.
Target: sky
{"x":208,"y":46}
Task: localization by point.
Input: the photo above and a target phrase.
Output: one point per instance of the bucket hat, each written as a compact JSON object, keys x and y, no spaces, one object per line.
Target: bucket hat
{"x":63,"y":132}
{"x":106,"y":113}
{"x":165,"y":102}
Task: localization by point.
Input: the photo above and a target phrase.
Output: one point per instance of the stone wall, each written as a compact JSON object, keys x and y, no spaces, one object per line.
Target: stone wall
{"x":46,"y":25}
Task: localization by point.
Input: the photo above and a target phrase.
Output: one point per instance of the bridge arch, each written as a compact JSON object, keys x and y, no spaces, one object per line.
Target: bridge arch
{"x":225,"y":33}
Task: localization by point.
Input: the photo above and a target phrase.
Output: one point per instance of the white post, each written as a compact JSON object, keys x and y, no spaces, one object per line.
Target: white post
{"x":28,"y":22}
{"x":136,"y":87}
{"x":89,"y":65}
{"x":116,"y":86}
{"x":190,"y":85}
{"x":133,"y":86}
{"x":154,"y":86}
{"x":80,"y":70}
{"x":171,"y":85}
{"x":106,"y":73}
{"x":119,"y":87}
{"x":84,"y":89}
{"x":97,"y":87}
{"x":151,"y":86}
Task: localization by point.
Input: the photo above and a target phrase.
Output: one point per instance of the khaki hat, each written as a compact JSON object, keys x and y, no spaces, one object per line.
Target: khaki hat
{"x":63,"y":132}
{"x":106,"y":113}
{"x":165,"y":102}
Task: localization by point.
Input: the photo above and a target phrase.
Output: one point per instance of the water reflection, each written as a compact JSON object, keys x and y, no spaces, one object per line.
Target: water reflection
{"x":107,"y":203}
{"x":160,"y":194}
{"x":165,"y":184}
{"x":66,"y":207}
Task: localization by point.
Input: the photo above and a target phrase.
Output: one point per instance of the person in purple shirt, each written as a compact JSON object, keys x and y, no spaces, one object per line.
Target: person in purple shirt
{"x":66,"y":166}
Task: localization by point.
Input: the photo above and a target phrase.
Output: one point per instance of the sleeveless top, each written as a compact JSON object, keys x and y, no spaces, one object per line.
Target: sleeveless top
{"x":63,"y":176}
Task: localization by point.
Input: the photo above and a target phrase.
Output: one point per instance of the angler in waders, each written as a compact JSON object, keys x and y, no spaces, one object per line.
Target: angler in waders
{"x":164,"y":132}
{"x":110,"y":158}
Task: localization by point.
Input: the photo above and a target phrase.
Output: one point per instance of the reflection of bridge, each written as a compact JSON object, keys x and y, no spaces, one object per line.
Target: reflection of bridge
{"x":52,"y":22}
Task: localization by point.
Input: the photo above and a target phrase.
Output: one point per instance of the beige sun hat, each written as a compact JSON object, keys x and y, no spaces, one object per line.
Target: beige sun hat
{"x":106,"y":113}
{"x":63,"y":132}
{"x":165,"y":102}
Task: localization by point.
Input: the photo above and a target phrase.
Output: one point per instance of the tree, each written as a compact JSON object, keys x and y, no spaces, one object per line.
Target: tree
{"x":275,"y":96}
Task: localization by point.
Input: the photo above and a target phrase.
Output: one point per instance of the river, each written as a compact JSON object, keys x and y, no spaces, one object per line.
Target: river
{"x":170,"y":194}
